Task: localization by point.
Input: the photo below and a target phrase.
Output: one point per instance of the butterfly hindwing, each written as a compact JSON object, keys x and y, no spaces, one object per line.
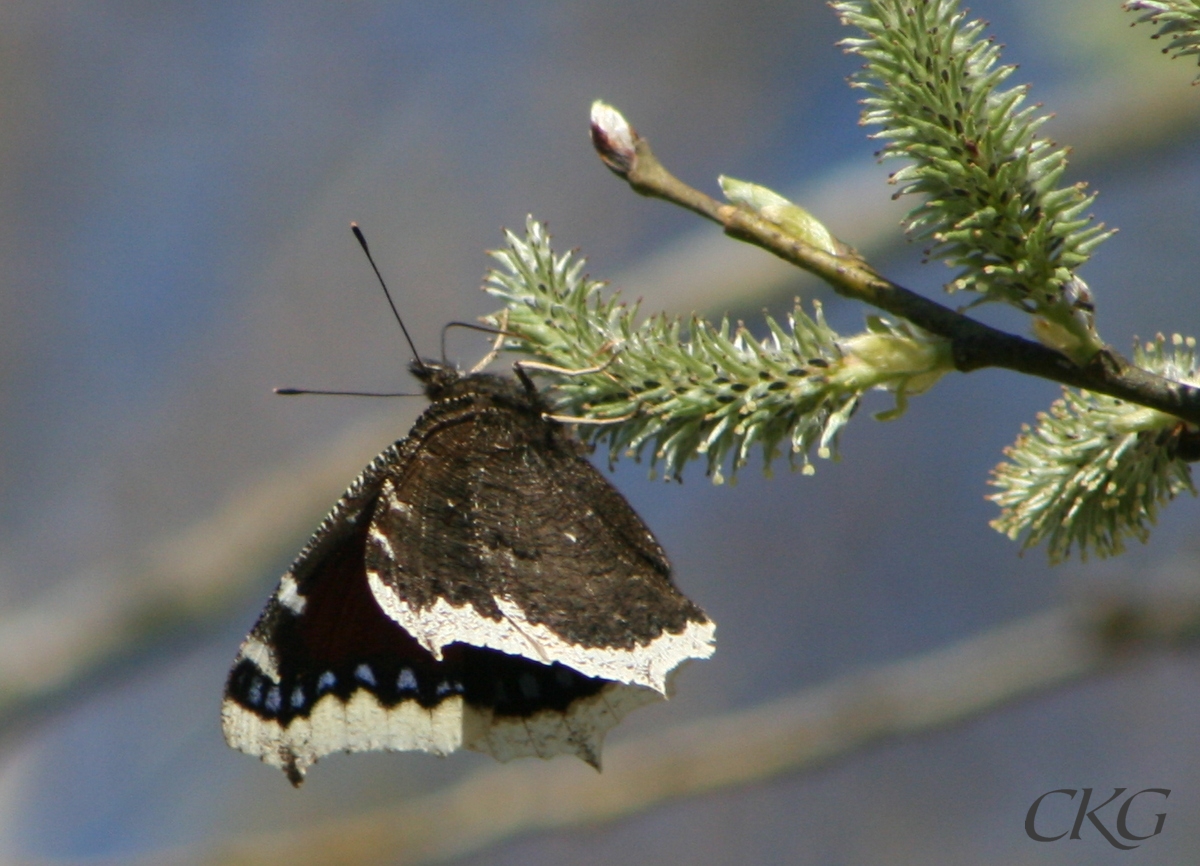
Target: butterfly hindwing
{"x":323,"y":669}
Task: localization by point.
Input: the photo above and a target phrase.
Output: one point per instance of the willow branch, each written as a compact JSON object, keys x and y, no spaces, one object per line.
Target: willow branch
{"x":974,"y":345}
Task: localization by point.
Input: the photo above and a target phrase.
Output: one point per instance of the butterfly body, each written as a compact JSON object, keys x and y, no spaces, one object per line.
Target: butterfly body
{"x":480,"y":585}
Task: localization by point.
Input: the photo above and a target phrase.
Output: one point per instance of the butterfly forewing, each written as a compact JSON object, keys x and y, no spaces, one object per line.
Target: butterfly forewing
{"x":544,"y":558}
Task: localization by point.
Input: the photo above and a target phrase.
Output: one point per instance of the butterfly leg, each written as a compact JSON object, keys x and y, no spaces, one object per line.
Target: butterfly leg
{"x":501,"y":333}
{"x":539,"y":367}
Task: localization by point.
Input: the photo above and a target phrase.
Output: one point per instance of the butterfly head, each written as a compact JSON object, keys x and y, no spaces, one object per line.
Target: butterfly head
{"x":436,"y":377}
{"x":443,"y":381}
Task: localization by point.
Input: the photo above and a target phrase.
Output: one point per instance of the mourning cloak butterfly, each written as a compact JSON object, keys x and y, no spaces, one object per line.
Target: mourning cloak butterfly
{"x":480,"y":585}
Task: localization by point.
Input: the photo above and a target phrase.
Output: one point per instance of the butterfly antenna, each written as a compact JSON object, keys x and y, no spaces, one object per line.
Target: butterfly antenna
{"x":291,"y":392}
{"x":471,"y":326}
{"x":363,"y":243}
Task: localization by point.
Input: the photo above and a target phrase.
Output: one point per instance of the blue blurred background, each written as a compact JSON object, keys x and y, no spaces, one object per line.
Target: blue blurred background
{"x":177,"y":184}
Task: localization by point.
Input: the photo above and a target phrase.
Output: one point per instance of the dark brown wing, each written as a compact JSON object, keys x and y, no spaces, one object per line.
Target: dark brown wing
{"x":479,"y":585}
{"x":499,"y":534}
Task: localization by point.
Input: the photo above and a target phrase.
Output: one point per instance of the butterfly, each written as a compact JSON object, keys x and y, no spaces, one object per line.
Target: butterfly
{"x":480,"y":585}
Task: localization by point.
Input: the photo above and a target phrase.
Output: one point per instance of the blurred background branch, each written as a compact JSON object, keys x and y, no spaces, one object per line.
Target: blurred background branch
{"x":794,"y":734}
